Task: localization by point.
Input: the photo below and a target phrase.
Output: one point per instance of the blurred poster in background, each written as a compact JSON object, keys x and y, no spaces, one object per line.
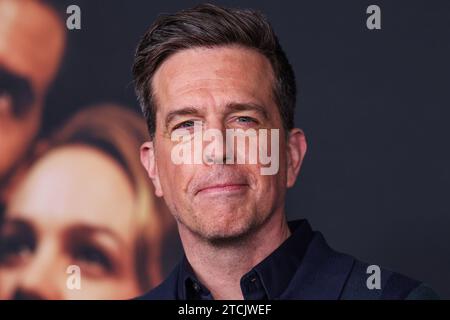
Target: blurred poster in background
{"x":75,"y":199}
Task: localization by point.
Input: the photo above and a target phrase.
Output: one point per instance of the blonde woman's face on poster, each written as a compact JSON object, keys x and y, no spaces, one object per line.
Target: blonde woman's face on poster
{"x":75,"y":208}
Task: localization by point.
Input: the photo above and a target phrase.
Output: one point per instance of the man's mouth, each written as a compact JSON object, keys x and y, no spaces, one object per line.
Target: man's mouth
{"x":227,"y":188}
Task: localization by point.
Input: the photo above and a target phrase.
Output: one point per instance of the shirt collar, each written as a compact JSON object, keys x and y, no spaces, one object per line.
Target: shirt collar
{"x":189,"y":287}
{"x":277,"y":270}
{"x":274,"y":273}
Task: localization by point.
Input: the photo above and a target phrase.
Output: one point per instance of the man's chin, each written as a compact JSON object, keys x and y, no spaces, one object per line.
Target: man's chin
{"x":222,"y":208}
{"x":220,"y":234}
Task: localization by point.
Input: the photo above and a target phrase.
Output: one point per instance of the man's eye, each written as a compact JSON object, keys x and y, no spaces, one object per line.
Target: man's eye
{"x":245,"y":119}
{"x":14,"y":249}
{"x":92,"y":257}
{"x":184,"y":125}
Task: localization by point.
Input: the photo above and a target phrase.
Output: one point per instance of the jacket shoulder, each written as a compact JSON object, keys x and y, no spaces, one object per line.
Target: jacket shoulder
{"x":422,"y":292}
{"x":329,"y":274}
{"x":369,"y":281}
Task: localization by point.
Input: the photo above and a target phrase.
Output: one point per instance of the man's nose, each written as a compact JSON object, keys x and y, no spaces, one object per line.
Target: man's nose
{"x":215,"y":150}
{"x":40,"y":279}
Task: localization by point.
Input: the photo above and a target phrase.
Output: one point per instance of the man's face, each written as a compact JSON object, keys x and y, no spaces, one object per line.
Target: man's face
{"x":218,"y":201}
{"x":31,"y":45}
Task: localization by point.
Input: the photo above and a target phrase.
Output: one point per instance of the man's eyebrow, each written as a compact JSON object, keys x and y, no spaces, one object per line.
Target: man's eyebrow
{"x":230,"y":107}
{"x":237,"y":106}
{"x":19,"y":89}
{"x":10,"y":76}
{"x":184,"y":111}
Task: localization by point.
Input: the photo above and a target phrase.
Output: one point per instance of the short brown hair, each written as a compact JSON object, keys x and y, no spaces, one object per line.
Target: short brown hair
{"x":209,"y":25}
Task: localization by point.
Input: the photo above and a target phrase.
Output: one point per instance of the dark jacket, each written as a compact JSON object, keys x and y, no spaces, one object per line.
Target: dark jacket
{"x":303,"y":267}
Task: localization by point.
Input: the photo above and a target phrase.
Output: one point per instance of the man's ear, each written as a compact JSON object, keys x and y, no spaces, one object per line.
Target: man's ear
{"x":148,"y":160}
{"x":296,"y":149}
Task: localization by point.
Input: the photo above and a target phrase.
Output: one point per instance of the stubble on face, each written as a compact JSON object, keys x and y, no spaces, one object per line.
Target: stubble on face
{"x":219,"y":203}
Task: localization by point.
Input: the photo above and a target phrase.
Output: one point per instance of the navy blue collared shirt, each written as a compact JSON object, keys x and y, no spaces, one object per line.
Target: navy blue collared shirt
{"x":302,"y":267}
{"x":267,"y":280}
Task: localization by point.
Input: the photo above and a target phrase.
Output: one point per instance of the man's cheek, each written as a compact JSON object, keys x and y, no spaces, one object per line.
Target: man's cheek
{"x":171,"y":183}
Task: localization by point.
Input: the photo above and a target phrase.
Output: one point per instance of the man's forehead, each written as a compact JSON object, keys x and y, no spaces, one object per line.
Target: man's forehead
{"x":230,"y":70}
{"x":31,"y":39}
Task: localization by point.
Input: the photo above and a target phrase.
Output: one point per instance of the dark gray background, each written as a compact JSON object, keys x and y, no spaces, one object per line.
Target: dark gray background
{"x":374,"y":106}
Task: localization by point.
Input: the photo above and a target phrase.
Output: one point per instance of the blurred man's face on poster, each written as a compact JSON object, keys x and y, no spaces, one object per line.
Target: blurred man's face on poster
{"x":31,"y":45}
{"x":221,"y":88}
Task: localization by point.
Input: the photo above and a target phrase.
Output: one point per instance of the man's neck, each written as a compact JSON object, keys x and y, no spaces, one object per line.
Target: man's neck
{"x":220,"y":268}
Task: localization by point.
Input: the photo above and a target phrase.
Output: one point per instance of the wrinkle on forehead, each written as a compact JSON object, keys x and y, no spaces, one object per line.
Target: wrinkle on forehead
{"x":230,"y":69}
